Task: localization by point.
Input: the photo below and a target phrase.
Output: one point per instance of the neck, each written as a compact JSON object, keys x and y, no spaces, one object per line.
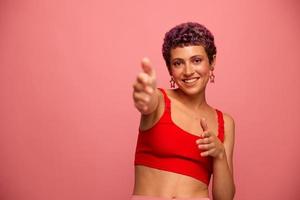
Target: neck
{"x":194,"y":102}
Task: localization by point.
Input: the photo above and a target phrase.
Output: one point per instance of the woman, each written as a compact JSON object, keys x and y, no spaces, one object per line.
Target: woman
{"x":182,"y":140}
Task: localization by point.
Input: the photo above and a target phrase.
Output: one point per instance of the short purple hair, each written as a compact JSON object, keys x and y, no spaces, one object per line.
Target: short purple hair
{"x":187,"y":34}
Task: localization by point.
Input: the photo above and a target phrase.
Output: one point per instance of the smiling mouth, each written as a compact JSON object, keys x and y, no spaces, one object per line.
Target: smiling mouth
{"x":190,"y":80}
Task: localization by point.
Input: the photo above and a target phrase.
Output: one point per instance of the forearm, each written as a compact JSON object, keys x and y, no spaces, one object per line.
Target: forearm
{"x":223,"y":187}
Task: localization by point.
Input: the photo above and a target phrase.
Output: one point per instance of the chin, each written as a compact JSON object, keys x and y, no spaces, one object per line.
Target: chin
{"x":192,"y":90}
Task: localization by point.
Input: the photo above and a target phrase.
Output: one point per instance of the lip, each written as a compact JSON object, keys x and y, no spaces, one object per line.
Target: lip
{"x":190,"y":78}
{"x":191,"y":83}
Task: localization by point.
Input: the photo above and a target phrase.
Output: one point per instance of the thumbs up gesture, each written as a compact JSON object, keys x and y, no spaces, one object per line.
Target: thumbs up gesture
{"x":144,"y":89}
{"x":209,"y":144}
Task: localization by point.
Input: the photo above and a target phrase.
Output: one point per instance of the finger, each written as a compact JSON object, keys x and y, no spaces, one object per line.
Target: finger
{"x":146,"y":65}
{"x":138,"y":87}
{"x":140,"y":96}
{"x":207,"y":153}
{"x":143,"y":78}
{"x":203,"y":124}
{"x":141,"y":105}
{"x":206,"y":134}
{"x":206,"y":146}
{"x":149,"y":90}
{"x":204,"y":141}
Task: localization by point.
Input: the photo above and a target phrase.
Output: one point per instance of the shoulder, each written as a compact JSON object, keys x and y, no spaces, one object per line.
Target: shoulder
{"x":229,"y":138}
{"x":229,"y":125}
{"x":160,"y":91}
{"x":228,"y":120}
{"x":171,"y":93}
{"x":161,"y":98}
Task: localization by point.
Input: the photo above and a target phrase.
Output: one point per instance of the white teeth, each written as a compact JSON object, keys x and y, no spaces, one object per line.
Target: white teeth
{"x":190,"y":80}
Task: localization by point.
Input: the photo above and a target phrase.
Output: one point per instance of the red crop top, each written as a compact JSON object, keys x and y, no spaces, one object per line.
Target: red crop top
{"x":167,"y":147}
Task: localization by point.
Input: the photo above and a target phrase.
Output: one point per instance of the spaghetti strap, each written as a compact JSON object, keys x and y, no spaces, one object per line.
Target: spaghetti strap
{"x":220,"y":125}
{"x":166,"y":99}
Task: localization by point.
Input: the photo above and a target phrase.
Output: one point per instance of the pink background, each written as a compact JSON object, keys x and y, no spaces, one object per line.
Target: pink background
{"x":68,"y":127}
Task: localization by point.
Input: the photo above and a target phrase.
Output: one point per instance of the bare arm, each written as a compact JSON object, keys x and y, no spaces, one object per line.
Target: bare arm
{"x":223,"y":187}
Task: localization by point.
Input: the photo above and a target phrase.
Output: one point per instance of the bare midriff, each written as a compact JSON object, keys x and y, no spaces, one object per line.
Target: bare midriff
{"x":159,"y":183}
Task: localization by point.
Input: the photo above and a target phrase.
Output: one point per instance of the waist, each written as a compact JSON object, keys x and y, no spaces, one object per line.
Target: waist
{"x":198,"y":170}
{"x":159,"y":183}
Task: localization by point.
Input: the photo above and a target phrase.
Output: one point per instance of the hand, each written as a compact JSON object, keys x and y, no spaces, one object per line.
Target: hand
{"x":144,"y":86}
{"x":210,"y":144}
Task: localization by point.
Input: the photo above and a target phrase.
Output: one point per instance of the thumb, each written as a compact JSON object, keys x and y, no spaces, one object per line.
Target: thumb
{"x":147,"y":67}
{"x":203,"y":124}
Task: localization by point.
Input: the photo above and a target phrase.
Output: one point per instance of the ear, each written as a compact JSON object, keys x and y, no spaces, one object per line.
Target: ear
{"x":213,"y":63}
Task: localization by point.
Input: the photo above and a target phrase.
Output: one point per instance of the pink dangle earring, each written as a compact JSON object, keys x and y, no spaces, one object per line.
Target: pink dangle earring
{"x":212,"y":77}
{"x":172,"y":82}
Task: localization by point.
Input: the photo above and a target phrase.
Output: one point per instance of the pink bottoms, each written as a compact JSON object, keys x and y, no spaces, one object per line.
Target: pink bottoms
{"x":141,"y":197}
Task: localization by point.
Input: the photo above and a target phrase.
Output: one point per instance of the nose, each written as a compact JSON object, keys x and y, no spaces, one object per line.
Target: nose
{"x":188,"y":70}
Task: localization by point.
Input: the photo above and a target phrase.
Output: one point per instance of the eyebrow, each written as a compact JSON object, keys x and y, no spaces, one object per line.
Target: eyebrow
{"x":189,"y":58}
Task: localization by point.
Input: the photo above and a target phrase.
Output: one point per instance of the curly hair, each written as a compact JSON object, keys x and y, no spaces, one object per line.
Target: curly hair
{"x":187,"y":34}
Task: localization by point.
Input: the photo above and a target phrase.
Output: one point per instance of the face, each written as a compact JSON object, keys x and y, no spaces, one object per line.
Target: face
{"x":190,"y":68}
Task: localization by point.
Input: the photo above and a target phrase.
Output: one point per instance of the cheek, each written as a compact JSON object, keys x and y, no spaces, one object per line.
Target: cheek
{"x":175,"y":72}
{"x":202,"y":70}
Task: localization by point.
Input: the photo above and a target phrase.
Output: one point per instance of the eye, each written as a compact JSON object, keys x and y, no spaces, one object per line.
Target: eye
{"x":197,"y":60}
{"x":176,"y":63}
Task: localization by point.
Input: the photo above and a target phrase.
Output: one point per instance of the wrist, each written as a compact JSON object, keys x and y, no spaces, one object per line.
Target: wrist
{"x":221,"y":156}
